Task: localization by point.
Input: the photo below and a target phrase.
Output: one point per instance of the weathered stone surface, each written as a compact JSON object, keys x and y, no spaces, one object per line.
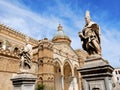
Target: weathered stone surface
{"x":53,"y":61}
{"x":117,"y":87}
{"x":23,"y":81}
{"x":96,"y":73}
{"x":5,"y":83}
{"x":94,"y":62}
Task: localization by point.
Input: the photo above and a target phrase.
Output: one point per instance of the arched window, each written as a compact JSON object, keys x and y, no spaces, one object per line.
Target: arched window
{"x":40,"y":78}
{"x":8,"y":45}
{"x":119,"y":71}
{"x":117,"y":78}
{"x":0,"y":44}
{"x":16,"y":50}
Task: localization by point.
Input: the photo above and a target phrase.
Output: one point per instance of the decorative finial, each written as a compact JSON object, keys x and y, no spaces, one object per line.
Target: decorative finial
{"x":87,"y":14}
{"x":59,"y":27}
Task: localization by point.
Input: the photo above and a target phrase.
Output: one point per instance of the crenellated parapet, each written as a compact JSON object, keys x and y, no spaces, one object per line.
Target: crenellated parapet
{"x":16,"y":34}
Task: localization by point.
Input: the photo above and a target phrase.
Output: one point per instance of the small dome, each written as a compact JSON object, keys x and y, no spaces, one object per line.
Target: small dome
{"x":60,"y":36}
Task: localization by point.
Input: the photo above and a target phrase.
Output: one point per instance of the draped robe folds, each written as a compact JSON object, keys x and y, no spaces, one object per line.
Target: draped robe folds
{"x":91,"y":38}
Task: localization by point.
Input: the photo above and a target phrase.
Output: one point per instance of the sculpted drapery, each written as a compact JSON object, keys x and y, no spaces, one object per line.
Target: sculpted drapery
{"x":90,"y":36}
{"x":26,"y":56}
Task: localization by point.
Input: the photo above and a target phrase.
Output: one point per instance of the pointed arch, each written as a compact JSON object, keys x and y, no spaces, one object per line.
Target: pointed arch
{"x":57,"y":60}
{"x":57,"y":73}
{"x":76,"y":66}
{"x":68,"y":74}
{"x":68,"y":61}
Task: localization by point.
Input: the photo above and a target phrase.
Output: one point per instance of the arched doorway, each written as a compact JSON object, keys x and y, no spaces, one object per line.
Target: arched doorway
{"x":67,"y":77}
{"x":57,"y":75}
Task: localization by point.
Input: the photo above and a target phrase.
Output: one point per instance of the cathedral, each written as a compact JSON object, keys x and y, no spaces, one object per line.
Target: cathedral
{"x":54,"y":62}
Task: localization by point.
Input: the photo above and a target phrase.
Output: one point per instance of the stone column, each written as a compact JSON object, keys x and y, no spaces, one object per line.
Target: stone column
{"x":73,"y":83}
{"x":23,"y":81}
{"x":62,"y":81}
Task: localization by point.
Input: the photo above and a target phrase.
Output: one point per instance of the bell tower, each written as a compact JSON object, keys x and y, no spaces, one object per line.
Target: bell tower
{"x":45,"y":66}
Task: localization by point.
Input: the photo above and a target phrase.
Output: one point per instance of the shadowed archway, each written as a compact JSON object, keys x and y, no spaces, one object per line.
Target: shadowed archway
{"x":57,"y":75}
{"x":67,"y":76}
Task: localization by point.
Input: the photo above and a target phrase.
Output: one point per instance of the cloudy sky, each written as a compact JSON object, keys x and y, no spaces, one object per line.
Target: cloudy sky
{"x":40,"y":19}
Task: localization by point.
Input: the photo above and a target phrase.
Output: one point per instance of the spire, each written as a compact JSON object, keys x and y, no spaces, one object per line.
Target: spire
{"x":59,"y":27}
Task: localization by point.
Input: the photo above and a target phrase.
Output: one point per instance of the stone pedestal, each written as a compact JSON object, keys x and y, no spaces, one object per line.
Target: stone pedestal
{"x":96,"y":74}
{"x":23,"y":81}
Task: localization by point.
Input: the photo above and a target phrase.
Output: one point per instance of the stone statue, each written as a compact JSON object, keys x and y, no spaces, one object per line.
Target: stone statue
{"x":26,"y":56}
{"x":90,"y":36}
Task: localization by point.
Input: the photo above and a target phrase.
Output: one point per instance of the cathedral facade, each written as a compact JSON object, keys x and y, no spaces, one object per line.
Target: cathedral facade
{"x":54,"y":62}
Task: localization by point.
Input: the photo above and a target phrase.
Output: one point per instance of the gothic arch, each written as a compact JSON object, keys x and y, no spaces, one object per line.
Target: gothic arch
{"x":16,"y":50}
{"x":75,"y":71}
{"x":68,"y":61}
{"x":57,"y":60}
{"x":71,"y":66}
{"x":57,"y":74}
{"x":68,"y":74}
{"x":76,"y":66}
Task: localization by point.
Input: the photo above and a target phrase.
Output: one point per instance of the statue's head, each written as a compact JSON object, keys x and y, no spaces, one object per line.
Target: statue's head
{"x":87,"y":17}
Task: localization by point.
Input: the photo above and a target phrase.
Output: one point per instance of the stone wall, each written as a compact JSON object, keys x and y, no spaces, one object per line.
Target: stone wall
{"x":45,"y":55}
{"x":8,"y":67}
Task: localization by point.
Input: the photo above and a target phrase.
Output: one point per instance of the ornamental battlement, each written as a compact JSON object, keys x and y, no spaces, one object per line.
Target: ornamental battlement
{"x":16,"y":34}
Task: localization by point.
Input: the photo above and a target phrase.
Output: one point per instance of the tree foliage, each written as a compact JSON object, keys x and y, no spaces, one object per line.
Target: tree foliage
{"x":40,"y":87}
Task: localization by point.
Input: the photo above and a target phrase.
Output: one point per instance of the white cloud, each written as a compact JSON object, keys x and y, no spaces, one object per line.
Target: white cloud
{"x":27,"y":21}
{"x":39,"y":26}
{"x":111,"y":46}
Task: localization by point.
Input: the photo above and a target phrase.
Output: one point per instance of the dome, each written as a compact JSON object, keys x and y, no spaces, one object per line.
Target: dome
{"x":60,"y":36}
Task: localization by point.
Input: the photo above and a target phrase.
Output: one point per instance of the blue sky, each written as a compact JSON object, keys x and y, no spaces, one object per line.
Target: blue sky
{"x":40,"y":18}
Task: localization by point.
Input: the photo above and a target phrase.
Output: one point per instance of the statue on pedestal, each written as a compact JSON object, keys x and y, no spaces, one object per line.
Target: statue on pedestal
{"x":94,"y":67}
{"x":90,"y":36}
{"x":26,"y":56}
{"x":24,"y":80}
